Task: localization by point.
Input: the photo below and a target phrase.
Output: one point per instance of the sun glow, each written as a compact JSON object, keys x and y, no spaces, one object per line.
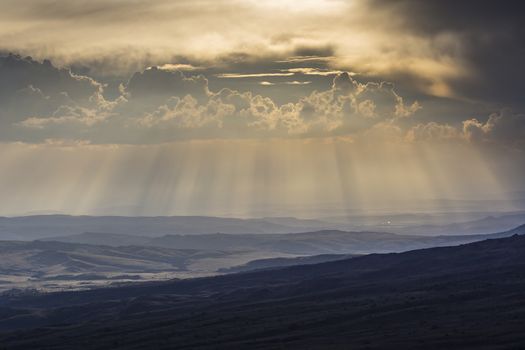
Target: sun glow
{"x":237,"y":178}
{"x":319,"y":6}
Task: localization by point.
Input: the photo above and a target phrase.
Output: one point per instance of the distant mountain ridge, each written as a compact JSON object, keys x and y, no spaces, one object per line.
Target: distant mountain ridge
{"x":302,"y":243}
{"x":46,"y":226}
{"x":43,"y":226}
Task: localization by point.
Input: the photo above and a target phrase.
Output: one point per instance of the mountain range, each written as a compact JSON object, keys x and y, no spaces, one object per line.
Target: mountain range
{"x":460,"y":297}
{"x":91,"y":260}
{"x":45,"y":226}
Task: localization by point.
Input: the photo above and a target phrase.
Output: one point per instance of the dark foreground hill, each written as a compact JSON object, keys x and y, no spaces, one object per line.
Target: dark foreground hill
{"x":272,"y":263}
{"x":464,"y":297}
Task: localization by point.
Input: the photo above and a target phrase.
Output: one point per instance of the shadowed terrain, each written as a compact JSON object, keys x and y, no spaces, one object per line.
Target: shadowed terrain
{"x":271,"y":263}
{"x":468,"y":296}
{"x":97,"y":259}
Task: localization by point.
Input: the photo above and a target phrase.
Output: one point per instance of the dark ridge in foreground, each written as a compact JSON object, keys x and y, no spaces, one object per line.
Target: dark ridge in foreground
{"x":464,"y":297}
{"x":272,"y":263}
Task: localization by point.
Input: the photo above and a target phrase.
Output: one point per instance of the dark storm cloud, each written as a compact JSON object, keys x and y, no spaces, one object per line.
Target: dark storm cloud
{"x":161,"y":105}
{"x":314,"y":51}
{"x":434,"y":16}
{"x":41,"y":102}
{"x":157,"y":84}
{"x":29,"y":88}
{"x":491,"y":38}
{"x":18,"y":73}
{"x":504,"y":127}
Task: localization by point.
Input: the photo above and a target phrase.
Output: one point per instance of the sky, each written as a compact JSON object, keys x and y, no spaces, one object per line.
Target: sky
{"x":255,"y":108}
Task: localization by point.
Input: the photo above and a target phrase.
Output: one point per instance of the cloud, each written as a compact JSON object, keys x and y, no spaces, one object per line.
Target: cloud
{"x":325,"y":51}
{"x":293,"y":82}
{"x":67,"y":115}
{"x":178,"y":67}
{"x":346,"y":35}
{"x":253,"y":75}
{"x":307,"y":59}
{"x":433,"y":132}
{"x":31,"y":92}
{"x":158,"y":84}
{"x":485,"y":37}
{"x":296,"y":82}
{"x":459,"y":49}
{"x":465,"y":50}
{"x":19,"y":73}
{"x":161,"y":105}
{"x":503,"y":129}
{"x":315,"y":71}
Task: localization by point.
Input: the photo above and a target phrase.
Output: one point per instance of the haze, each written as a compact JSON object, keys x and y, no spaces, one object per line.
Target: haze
{"x":254,"y":108}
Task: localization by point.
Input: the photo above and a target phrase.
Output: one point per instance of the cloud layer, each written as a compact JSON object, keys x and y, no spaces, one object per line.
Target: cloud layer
{"x":161,"y":105}
{"x":442,"y":48}
{"x":42,"y":102}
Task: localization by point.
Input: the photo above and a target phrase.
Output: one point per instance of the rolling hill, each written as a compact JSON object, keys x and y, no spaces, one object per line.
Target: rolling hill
{"x":58,"y":265}
{"x":462,"y":297}
{"x":95,"y":259}
{"x":304,"y":243}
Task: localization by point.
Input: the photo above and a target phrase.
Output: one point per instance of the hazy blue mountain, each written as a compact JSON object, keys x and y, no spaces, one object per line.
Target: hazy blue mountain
{"x":484,"y":225}
{"x":431,"y":224}
{"x":44,"y":226}
{"x":52,"y":226}
{"x":306,"y":243}
{"x":99,"y":238}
